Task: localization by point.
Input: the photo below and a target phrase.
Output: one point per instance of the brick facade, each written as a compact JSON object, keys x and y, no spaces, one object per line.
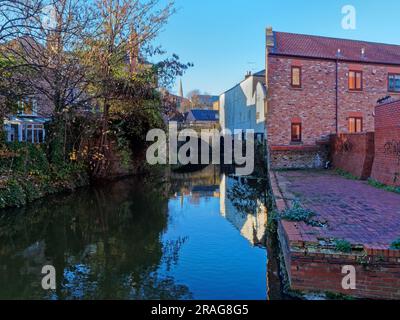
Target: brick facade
{"x":353,"y":153}
{"x":386,"y":167}
{"x":314,"y":103}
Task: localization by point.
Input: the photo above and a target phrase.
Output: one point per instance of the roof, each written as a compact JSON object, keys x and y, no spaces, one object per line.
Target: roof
{"x":27,"y":119}
{"x":206,"y":99}
{"x":259,"y":73}
{"x":327,"y":48}
{"x":205,"y":115}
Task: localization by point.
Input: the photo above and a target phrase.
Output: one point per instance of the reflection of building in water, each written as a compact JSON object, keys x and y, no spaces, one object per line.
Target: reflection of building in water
{"x":252,"y":225}
{"x":195,"y":185}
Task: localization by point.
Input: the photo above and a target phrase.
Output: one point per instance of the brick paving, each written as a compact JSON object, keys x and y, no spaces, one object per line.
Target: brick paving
{"x":353,"y":210}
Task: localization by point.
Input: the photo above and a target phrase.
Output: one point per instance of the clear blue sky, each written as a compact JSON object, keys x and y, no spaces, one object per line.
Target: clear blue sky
{"x":225,"y":38}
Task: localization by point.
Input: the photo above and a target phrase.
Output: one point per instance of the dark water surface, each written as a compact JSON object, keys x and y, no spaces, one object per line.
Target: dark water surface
{"x":195,"y":236}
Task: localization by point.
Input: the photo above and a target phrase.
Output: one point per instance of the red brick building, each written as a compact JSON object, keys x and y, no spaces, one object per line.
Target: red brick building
{"x":319,"y":86}
{"x":386,"y":168}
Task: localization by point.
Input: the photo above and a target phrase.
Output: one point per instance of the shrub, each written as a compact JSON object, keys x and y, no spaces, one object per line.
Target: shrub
{"x":395,"y":245}
{"x":12,"y":194}
{"x":343,"y":246}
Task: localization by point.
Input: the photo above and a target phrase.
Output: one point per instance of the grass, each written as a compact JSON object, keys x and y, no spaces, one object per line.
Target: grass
{"x":346,"y":174}
{"x":382,"y":186}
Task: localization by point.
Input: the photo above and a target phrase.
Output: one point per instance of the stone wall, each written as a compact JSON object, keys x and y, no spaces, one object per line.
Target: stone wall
{"x":353,"y":153}
{"x":298,"y":157}
{"x":386,"y":168}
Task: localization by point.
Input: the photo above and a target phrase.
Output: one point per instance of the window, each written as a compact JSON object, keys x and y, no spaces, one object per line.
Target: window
{"x":296,"y":132}
{"x":394,"y":82}
{"x":355,"y":80}
{"x":296,"y":77}
{"x":27,"y":107}
{"x":355,"y":124}
{"x":33,"y":133}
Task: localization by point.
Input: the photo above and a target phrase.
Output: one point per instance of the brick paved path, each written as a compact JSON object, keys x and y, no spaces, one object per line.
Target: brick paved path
{"x":355,"y":211}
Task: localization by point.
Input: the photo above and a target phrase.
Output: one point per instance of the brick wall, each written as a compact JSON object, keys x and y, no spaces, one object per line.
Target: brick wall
{"x":320,"y":270}
{"x":353,"y":153}
{"x":314,"y":104}
{"x":386,"y":168}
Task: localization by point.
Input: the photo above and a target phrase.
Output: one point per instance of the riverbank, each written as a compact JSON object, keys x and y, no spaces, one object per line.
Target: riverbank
{"x":26,"y":175}
{"x":151,"y":231}
{"x":337,"y":222}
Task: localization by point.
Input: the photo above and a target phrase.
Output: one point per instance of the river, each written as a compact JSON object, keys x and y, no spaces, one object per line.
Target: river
{"x":189,"y":236}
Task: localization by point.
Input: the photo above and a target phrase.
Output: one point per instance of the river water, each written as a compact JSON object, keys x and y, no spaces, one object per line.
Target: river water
{"x":190,"y":236}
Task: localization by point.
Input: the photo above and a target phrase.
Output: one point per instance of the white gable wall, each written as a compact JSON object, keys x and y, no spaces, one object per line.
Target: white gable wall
{"x":242,"y":107}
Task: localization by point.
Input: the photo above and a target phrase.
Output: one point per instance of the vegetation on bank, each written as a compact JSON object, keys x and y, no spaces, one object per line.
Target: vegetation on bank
{"x":27,"y":175}
{"x":98,"y":72}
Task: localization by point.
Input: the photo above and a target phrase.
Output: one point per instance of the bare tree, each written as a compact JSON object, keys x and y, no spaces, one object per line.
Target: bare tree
{"x":15,"y":19}
{"x":49,"y":51}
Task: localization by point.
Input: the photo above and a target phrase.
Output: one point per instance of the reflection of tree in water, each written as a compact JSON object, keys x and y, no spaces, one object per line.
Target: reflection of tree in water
{"x":171,"y":252}
{"x":245,"y":194}
{"x":106,"y":240}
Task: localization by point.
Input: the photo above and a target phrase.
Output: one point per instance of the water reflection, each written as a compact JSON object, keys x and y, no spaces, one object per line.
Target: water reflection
{"x":106,"y":240}
{"x":140,"y":239}
{"x":243,"y":205}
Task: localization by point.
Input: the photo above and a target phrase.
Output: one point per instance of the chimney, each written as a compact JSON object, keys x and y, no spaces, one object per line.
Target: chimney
{"x":134,"y":51}
{"x":248,"y":75}
{"x":270,"y":38}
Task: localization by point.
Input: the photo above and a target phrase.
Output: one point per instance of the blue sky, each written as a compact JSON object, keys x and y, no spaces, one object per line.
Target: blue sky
{"x":225,"y":38}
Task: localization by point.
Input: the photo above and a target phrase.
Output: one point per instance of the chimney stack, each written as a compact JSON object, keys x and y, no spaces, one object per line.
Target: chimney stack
{"x":270,"y":38}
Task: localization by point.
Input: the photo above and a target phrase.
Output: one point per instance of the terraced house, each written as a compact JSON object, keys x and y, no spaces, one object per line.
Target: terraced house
{"x":319,"y":86}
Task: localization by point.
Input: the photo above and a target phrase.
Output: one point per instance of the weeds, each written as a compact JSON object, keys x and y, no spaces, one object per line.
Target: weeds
{"x":299,"y":214}
{"x":382,"y":186}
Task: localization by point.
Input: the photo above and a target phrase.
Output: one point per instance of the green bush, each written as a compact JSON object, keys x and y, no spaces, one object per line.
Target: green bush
{"x":343,"y":246}
{"x":12,"y":194}
{"x":395,"y":245}
{"x":28,"y":176}
{"x":27,"y":157}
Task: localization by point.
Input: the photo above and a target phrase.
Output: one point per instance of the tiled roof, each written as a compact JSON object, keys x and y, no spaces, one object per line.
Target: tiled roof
{"x":322,"y":47}
{"x":205,"y":115}
{"x":207,"y":99}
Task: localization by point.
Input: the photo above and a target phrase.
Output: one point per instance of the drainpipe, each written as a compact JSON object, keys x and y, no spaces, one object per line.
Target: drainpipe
{"x":337,"y":92}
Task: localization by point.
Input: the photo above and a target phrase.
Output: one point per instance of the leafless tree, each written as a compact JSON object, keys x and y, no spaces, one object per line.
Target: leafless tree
{"x":47,"y":52}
